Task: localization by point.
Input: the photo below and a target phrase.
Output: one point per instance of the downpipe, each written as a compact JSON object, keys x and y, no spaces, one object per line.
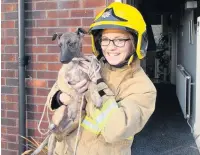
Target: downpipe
{"x":21,"y":76}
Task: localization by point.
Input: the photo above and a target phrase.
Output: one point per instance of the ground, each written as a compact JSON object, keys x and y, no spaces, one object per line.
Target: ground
{"x":167,"y":132}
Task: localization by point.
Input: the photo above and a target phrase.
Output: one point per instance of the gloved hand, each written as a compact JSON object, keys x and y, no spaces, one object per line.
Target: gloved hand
{"x":81,"y":87}
{"x":65,"y":98}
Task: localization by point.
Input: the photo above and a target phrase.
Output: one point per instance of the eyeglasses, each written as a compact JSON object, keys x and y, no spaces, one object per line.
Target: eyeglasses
{"x":119,"y":42}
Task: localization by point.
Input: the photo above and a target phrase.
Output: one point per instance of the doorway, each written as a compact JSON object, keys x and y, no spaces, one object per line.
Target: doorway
{"x":167,"y":132}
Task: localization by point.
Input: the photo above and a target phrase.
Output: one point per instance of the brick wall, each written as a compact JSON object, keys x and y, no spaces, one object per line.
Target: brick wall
{"x":42,"y":19}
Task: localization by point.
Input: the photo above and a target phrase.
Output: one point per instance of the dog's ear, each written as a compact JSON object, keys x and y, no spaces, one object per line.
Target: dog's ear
{"x":56,"y":35}
{"x":81,"y":31}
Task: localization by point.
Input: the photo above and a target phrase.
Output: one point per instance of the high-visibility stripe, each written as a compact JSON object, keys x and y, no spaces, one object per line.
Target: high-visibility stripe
{"x":90,"y":125}
{"x":130,"y":138}
{"x":104,"y":115}
{"x":100,"y":117}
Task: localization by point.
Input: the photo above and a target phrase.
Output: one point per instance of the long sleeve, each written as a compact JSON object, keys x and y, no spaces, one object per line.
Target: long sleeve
{"x":128,"y":116}
{"x":51,"y":101}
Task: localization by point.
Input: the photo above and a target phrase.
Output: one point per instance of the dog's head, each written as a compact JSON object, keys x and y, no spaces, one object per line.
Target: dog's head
{"x":70,"y":44}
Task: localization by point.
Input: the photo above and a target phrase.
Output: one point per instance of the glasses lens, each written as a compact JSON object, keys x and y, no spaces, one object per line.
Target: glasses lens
{"x":119,"y":42}
{"x":104,"y":42}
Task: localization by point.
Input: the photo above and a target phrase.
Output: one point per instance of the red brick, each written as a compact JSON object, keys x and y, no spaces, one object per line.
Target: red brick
{"x":31,"y":107}
{"x":3,"y":130}
{"x":7,"y":24}
{"x":36,"y":83}
{"x":8,"y":152}
{"x":34,"y":132}
{"x":31,"y":91}
{"x":33,"y":116}
{"x":30,"y":41}
{"x":68,"y":4}
{"x":46,"y":5}
{"x":8,"y":41}
{"x":12,"y":114}
{"x":11,"y":32}
{"x":9,"y":1}
{"x":10,"y":138}
{"x":87,"y":49}
{"x":8,"y":7}
{"x":45,"y":40}
{"x":53,"y":49}
{"x":35,"y":14}
{"x":9,"y":90}
{"x":3,"y":97}
{"x":87,"y":21}
{"x":91,"y":4}
{"x":3,"y":81}
{"x":31,"y":124}
{"x":47,"y":75}
{"x":12,"y":130}
{"x":48,"y":58}
{"x":3,"y":106}
{"x":3,"y":145}
{"x":38,"y":66}
{"x":10,"y":16}
{"x":58,"y":14}
{"x":35,"y":49}
{"x":8,"y":57}
{"x":2,"y":48}
{"x":44,"y":125}
{"x":69,"y":22}
{"x":11,"y":49}
{"x":33,"y":58}
{"x":31,"y":74}
{"x":54,"y":67}
{"x":7,"y":73}
{"x":42,"y":91}
{"x":11,"y":106}
{"x":11,"y":65}
{"x":8,"y":122}
{"x":12,"y":146}
{"x":36,"y":99}
{"x":52,"y":31}
{"x":46,"y":23}
{"x":82,"y":13}
{"x":98,"y":10}
{"x":87,"y":40}
{"x":12,"y":82}
{"x":11,"y":99}
{"x":36,"y":32}
{"x":51,"y":83}
{"x":2,"y":16}
{"x":41,"y":108}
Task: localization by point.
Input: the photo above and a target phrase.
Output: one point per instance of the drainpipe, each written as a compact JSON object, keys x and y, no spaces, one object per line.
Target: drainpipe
{"x":21,"y":71}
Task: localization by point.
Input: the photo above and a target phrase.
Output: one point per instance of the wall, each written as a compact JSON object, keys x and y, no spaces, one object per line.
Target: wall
{"x":42,"y":19}
{"x":187,"y":56}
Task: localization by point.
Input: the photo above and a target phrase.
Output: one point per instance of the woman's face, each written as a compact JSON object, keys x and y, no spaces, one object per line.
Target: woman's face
{"x":125,"y":45}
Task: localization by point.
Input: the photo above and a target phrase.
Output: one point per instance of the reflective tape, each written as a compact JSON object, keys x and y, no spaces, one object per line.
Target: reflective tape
{"x":100,"y":117}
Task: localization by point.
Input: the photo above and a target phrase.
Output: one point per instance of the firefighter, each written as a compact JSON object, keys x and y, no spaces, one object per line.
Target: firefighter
{"x":119,"y":41}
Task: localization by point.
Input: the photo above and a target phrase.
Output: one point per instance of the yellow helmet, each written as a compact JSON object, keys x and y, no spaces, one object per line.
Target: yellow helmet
{"x":121,"y":16}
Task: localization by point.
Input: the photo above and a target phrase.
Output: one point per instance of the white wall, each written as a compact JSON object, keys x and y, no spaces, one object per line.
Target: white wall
{"x":187,"y":56}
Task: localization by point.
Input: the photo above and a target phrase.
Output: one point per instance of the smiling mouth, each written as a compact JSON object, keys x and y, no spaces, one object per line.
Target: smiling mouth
{"x":113,"y":54}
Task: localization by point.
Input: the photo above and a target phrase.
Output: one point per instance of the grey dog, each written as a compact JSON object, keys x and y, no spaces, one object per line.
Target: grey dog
{"x":71,"y":56}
